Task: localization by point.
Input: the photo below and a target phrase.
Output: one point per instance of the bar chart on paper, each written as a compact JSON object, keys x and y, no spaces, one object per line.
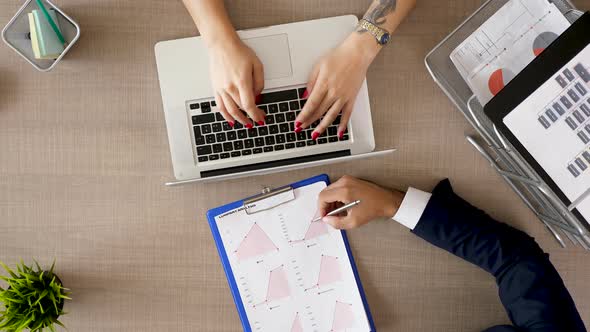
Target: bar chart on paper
{"x":292,"y":274}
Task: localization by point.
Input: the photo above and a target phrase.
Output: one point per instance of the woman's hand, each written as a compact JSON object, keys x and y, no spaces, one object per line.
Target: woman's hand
{"x":376,"y":202}
{"x":335,"y":82}
{"x":238,"y":78}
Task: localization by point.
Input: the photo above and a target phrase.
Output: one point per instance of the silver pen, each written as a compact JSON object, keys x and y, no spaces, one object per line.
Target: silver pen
{"x":338,"y":210}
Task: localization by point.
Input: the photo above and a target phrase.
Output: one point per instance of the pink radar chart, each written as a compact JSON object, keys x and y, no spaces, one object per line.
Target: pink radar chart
{"x":278,"y":286}
{"x":343,"y":317}
{"x":255,"y":243}
{"x":314,"y":230}
{"x":329,"y":272}
{"x":296,"y":327}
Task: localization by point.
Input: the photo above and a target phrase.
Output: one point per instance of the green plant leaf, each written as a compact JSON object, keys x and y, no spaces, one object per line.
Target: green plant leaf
{"x":36,"y":263}
{"x":37,"y":326}
{"x":52,"y":267}
{"x":32,"y":299}
{"x":59,"y":323}
{"x":43,"y":294}
{"x":12,"y":274}
{"x":14,"y":300}
{"x":17,"y":291}
{"x":24,"y":324}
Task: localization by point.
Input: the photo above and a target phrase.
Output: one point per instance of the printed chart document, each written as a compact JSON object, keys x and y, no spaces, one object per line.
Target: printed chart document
{"x":553,"y":124}
{"x":292,"y":274}
{"x":506,"y":43}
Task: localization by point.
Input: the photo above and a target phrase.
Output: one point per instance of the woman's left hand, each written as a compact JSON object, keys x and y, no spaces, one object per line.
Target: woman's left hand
{"x":335,"y":82}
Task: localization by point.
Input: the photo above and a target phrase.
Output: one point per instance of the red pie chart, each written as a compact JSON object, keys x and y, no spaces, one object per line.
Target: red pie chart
{"x":499,"y":79}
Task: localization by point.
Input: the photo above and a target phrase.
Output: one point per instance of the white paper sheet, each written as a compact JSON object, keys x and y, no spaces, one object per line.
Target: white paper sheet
{"x":506,"y":43}
{"x":553,"y":124}
{"x":292,"y":274}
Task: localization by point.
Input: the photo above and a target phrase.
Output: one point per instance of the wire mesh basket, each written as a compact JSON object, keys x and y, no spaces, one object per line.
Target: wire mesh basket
{"x":509,"y":164}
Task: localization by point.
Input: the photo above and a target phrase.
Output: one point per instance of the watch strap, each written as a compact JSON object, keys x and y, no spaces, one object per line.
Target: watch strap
{"x":373,"y":29}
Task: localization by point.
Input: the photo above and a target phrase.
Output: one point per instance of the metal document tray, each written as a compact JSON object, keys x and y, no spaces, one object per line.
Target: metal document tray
{"x":519,"y":175}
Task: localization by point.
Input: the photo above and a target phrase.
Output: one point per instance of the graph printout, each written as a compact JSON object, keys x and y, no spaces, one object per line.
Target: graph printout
{"x":292,"y":274}
{"x":553,"y":124}
{"x":506,"y":43}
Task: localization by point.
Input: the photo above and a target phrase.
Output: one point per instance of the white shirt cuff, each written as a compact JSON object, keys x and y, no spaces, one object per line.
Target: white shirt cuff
{"x":412,"y":207}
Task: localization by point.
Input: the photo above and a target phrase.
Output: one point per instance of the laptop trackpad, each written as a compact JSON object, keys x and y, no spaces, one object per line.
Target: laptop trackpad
{"x":274,"y":53}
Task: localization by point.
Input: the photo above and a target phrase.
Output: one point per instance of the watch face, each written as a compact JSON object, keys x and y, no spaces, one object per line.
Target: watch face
{"x":384,"y":39}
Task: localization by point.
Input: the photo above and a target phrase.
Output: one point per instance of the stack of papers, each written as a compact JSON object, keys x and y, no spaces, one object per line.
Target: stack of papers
{"x":44,"y":40}
{"x":506,"y":43}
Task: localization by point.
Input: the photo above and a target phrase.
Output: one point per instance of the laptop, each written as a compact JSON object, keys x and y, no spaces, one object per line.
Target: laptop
{"x":205,"y":148}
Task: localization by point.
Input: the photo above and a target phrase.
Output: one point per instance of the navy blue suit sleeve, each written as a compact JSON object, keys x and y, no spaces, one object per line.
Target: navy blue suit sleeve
{"x":530,"y":288}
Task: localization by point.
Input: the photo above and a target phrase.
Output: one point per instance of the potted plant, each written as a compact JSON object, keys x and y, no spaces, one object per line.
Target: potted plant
{"x":33,"y":300}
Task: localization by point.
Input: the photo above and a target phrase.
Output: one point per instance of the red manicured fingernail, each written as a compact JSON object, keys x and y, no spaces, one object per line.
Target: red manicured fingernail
{"x":341,"y":134}
{"x":249,"y":126}
{"x":314,"y":135}
{"x":298,"y":129}
{"x":297,"y":124}
{"x":231,"y":123}
{"x":260,"y":123}
{"x":258,"y":98}
{"x":305,"y":94}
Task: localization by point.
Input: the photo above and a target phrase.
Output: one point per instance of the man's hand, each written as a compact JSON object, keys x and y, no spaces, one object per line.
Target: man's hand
{"x":376,"y":202}
{"x":237,"y":77}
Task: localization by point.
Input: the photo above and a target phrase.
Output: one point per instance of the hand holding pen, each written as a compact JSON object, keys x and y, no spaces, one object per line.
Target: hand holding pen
{"x":340,"y":203}
{"x":339,"y":210}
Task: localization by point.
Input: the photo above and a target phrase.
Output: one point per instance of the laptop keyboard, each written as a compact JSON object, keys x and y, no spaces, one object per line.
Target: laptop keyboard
{"x":215,"y":139}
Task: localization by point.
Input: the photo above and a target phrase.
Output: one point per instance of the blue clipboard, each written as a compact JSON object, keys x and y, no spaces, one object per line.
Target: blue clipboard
{"x":211,"y":214}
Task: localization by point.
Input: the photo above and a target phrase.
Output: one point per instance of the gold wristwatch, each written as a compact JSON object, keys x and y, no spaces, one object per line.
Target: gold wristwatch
{"x":380,"y":34}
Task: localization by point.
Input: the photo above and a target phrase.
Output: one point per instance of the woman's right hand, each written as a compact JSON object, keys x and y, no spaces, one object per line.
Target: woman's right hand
{"x":238,"y":79}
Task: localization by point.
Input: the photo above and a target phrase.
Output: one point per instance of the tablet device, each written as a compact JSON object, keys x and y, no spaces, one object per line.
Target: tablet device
{"x":545,"y":114}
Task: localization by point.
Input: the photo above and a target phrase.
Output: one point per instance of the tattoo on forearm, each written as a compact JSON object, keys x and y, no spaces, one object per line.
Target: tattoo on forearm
{"x":377,"y":14}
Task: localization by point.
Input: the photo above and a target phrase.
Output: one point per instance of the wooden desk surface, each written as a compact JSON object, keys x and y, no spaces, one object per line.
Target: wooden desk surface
{"x":84,"y":155}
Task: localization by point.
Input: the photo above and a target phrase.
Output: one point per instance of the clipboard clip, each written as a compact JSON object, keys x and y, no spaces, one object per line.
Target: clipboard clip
{"x":269,"y":199}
